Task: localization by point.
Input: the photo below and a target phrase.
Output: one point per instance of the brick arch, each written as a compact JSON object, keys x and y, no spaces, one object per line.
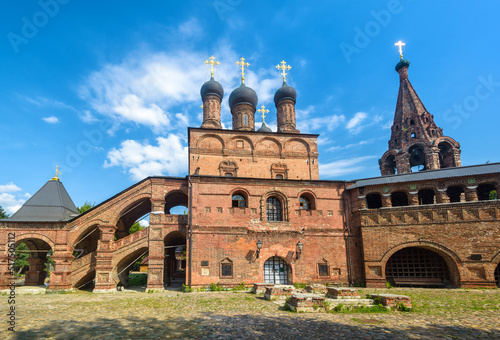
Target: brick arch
{"x":79,"y":233}
{"x":446,"y":139}
{"x":211,"y":135}
{"x":270,"y":139}
{"x":233,"y":141}
{"x":127,"y":204}
{"x":496,"y":259}
{"x":310,"y":195}
{"x":128,"y":256}
{"x":452,"y":260}
{"x":297,"y":140}
{"x":417,"y":142}
{"x":285,"y":202}
{"x":32,"y":235}
{"x":241,"y":189}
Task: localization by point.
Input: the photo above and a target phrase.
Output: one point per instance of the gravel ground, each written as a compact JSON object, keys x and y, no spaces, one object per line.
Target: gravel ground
{"x":439,"y":314}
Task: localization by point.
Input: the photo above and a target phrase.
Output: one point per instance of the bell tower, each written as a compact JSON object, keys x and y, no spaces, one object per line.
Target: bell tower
{"x":416,"y":143}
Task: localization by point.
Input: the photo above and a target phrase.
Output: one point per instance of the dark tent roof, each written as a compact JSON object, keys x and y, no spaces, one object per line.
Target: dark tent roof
{"x":50,"y":204}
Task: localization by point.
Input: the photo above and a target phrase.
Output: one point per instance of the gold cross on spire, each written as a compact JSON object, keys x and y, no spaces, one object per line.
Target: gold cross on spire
{"x":400,"y":44}
{"x":263,"y":110}
{"x":212,"y":62}
{"x":58,"y":172}
{"x":242,"y":64}
{"x":283,"y":67}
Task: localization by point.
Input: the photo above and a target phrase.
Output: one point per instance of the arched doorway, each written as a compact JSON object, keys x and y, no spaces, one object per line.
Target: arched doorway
{"x":128,"y":270}
{"x":276,"y":271}
{"x":37,"y":263}
{"x":175,"y":258}
{"x":497,"y":275}
{"x":417,"y":267}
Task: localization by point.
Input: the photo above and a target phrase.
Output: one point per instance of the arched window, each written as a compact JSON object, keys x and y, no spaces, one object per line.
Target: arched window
{"x":273,"y":209}
{"x":373,"y":201}
{"x":426,"y":196}
{"x":246,"y":120}
{"x":279,"y":176}
{"x":486,"y":192}
{"x":454,"y":193}
{"x":239,"y":201}
{"x":399,"y":199}
{"x":305,"y":203}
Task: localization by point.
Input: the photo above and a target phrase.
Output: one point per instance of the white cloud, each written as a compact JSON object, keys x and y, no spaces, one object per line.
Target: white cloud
{"x":343,"y":166}
{"x":144,"y":223}
{"x":11,"y":187}
{"x":47,"y":102}
{"x":10,"y":197}
{"x":354,"y":124}
{"x":139,"y":160}
{"x":324,"y":141}
{"x":147,"y":88}
{"x":51,"y":119}
{"x":190,"y":28}
{"x":313,"y":124}
{"x":87,"y":117}
{"x":350,"y":146}
{"x":387,"y":125}
{"x":304,"y":113}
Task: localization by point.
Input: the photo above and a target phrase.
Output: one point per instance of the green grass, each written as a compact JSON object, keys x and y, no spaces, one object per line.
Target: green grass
{"x":137,"y":279}
{"x":447,"y":301}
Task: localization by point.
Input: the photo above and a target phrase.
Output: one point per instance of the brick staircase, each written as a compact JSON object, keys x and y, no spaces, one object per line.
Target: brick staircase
{"x":86,"y":264}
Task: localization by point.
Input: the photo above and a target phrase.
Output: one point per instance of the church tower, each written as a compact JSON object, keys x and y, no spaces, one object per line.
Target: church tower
{"x":416,"y":143}
{"x":285,"y":99}
{"x":243,"y":103}
{"x":211,"y":94}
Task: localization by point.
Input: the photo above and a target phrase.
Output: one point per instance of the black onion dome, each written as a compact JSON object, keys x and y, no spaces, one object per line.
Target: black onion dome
{"x":285,"y":92}
{"x":243,"y":95}
{"x":212,"y":87}
{"x":402,"y":64}
{"x":264,"y":128}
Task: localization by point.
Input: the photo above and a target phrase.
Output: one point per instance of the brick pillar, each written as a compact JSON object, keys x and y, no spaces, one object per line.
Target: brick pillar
{"x":441,"y":196}
{"x":432,"y":159}
{"x":104,"y":282}
{"x":60,"y":277}
{"x":6,"y":277}
{"x":471,"y":193}
{"x":386,"y":201}
{"x":362,"y":202}
{"x":403,"y":163}
{"x":413,"y":198}
{"x":35,"y":276}
{"x":156,"y":257}
{"x":456,"y":157}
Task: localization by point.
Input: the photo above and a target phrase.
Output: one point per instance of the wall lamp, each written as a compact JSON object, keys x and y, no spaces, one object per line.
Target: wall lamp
{"x":259,"y":245}
{"x":299,"y":249}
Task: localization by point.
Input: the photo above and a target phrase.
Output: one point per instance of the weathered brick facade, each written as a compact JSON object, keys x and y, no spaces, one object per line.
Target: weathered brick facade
{"x":257,"y":212}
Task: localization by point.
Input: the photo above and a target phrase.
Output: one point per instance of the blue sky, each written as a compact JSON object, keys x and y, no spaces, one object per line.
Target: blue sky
{"x":106,"y":90}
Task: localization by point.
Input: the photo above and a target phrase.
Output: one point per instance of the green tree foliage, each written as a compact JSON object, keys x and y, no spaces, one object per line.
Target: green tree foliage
{"x":3,"y":214}
{"x":86,"y":206}
{"x":22,"y":256}
{"x":135,"y":228}
{"x":493,"y":195}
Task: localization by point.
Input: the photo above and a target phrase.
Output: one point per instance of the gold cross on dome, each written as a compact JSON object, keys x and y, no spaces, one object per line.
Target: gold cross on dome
{"x":242,"y":64}
{"x":212,"y":62}
{"x":263,"y":110}
{"x":283,"y":67}
{"x":58,"y":172}
{"x":400,"y":44}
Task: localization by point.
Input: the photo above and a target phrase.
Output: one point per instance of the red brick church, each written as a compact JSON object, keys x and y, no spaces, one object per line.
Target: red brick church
{"x":257,"y":211}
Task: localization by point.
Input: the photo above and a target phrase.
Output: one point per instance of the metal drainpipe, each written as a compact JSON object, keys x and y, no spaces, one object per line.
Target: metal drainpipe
{"x":346,"y":222}
{"x":190,"y":234}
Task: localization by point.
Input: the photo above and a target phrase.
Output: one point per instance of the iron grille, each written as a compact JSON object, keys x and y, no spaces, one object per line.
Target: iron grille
{"x":416,"y":262}
{"x":273,"y":209}
{"x":276,"y":271}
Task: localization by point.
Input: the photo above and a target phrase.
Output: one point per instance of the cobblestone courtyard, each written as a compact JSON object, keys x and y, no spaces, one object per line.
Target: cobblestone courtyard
{"x":438,"y":314}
